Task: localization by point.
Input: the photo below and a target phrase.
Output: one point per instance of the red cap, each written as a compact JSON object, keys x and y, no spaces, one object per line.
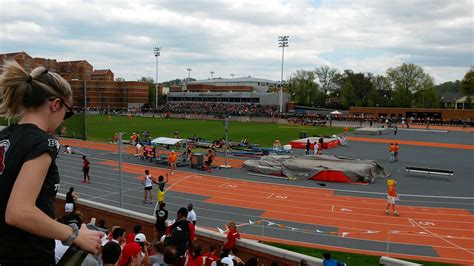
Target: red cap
{"x":128,"y":251}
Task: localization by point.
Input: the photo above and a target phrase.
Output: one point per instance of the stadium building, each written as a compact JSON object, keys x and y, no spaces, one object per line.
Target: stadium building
{"x":229,"y":91}
{"x":102,"y":91}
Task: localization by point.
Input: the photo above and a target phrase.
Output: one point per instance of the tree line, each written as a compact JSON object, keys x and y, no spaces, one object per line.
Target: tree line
{"x":407,"y":85}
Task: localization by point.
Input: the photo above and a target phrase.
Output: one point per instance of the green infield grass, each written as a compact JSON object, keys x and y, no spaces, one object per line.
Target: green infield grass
{"x":348,"y":258}
{"x":99,"y":128}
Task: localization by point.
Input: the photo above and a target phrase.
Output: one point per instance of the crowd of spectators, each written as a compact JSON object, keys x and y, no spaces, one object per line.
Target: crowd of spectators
{"x":177,"y":247}
{"x":305,"y":119}
{"x":241,"y":109}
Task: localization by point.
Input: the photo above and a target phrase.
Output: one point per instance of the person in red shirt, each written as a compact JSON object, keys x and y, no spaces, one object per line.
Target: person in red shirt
{"x":85,"y":170}
{"x":131,"y":236}
{"x":211,"y":256}
{"x":194,"y":257}
{"x":391,"y":197}
{"x":232,"y":236}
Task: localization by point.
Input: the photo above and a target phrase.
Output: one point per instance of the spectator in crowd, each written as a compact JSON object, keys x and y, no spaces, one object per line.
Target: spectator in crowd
{"x":194,"y":257}
{"x":212,"y":255}
{"x":331,"y":262}
{"x":131,"y":236}
{"x":111,"y":253}
{"x":191,"y":214}
{"x":71,"y":197}
{"x":131,"y":255}
{"x":101,"y":225}
{"x":140,"y":239}
{"x":180,"y":234}
{"x":41,"y":101}
{"x":252,"y":261}
{"x":170,"y":255}
{"x":158,"y":257}
{"x":118,"y":235}
{"x":304,"y":262}
{"x":232,"y":236}
{"x":85,"y":170}
{"x":160,"y":223}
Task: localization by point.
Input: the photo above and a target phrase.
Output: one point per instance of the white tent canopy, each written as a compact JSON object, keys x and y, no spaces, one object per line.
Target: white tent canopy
{"x":335,"y":113}
{"x":166,"y":141}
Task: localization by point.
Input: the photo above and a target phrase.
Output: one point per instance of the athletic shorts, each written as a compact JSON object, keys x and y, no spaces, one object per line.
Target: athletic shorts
{"x":160,"y":195}
{"x":69,"y":207}
{"x":148,"y":188}
{"x":391,"y":200}
{"x":85,"y":170}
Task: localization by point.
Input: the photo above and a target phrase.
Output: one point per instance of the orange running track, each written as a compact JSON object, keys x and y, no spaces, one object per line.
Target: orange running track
{"x":450,"y":232}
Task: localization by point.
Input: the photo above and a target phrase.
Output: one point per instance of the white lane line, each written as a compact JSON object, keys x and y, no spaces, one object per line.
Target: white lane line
{"x":412,"y":222}
{"x":449,"y":242}
{"x":166,"y":190}
{"x":270,"y":195}
{"x":332,"y":189}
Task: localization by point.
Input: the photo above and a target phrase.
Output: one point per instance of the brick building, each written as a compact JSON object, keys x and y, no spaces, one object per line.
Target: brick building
{"x":101,"y":88}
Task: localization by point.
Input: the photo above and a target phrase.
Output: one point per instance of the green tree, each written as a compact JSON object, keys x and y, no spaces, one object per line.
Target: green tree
{"x":358,"y":86}
{"x":303,"y":88}
{"x":407,"y":80}
{"x":151,"y":89}
{"x":328,"y":82}
{"x":428,"y":98}
{"x":449,"y":86}
{"x":382,"y":91}
{"x":467,"y":87}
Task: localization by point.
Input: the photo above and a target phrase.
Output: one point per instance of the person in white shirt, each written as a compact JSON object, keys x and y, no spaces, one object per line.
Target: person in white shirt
{"x":191,"y":214}
{"x":148,"y":184}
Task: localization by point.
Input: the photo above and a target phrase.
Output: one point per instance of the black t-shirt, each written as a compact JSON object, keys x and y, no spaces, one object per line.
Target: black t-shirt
{"x":19,"y":144}
{"x":161,"y":216}
{"x":69,"y":197}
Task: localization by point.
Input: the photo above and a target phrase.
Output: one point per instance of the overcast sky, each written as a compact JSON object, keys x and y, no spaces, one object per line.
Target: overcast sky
{"x":241,"y":37}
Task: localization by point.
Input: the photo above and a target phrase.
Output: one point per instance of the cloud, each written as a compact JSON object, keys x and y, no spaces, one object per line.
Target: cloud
{"x":240,"y":37}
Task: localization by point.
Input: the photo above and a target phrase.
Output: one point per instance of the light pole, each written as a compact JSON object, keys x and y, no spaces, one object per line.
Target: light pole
{"x":232,"y":75}
{"x":189,"y":73}
{"x":282,"y":42}
{"x":212,"y":74}
{"x":157,"y":52}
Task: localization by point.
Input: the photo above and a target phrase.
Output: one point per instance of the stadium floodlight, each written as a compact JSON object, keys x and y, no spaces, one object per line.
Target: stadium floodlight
{"x":157,"y":52}
{"x":189,"y":73}
{"x":282,"y":42}
{"x":212,"y":74}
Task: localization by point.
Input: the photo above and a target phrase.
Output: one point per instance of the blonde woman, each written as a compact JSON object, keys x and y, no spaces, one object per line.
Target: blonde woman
{"x":29,"y":178}
{"x":232,"y":236}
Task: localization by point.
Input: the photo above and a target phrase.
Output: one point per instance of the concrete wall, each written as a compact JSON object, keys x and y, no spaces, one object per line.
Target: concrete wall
{"x":128,"y":219}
